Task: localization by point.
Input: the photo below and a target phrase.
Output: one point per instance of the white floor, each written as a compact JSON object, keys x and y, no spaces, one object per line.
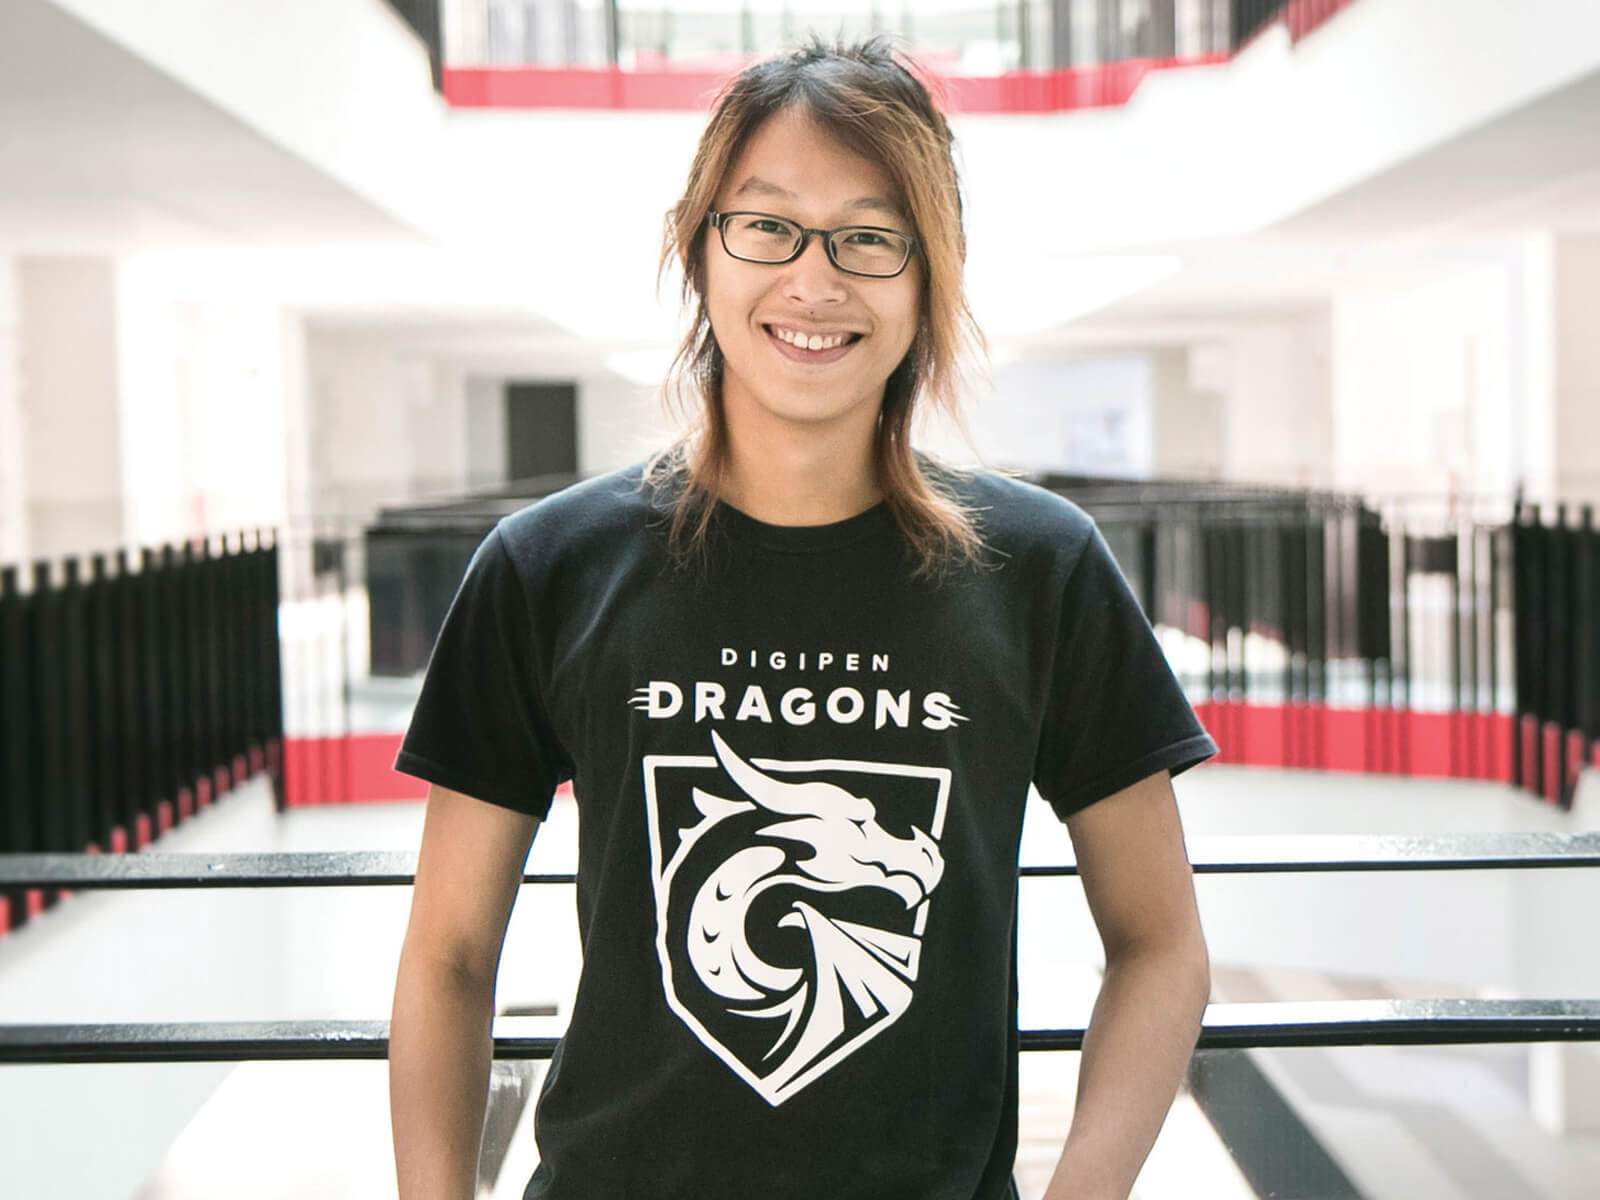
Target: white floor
{"x":1435,"y":1123}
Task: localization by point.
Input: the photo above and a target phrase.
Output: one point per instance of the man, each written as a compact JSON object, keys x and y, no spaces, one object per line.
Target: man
{"x":802,"y":680}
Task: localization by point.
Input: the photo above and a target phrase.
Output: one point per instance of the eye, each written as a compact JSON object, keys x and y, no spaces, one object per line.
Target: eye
{"x":773,"y":225}
{"x":867,"y":239}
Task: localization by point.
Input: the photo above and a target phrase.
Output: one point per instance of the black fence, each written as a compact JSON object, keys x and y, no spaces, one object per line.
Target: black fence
{"x":1557,"y":631}
{"x":1310,"y":629}
{"x":134,"y":690}
{"x":1325,"y":633}
{"x":423,"y":16}
{"x":415,"y":557}
{"x":1026,"y":35}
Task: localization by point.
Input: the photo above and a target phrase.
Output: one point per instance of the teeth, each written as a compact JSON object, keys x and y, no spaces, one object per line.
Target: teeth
{"x":813,"y":341}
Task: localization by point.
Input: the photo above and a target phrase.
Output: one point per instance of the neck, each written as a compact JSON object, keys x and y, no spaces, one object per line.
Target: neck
{"x":785,"y":475}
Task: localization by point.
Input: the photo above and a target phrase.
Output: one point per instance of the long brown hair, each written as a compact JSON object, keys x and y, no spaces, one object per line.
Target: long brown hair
{"x":867,"y":98}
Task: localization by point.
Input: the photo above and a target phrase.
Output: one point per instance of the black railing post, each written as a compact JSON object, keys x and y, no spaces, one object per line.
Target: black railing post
{"x":151,"y":667}
{"x":131,"y":727}
{"x":1586,"y":640}
{"x":1147,"y":570}
{"x":165,"y":593}
{"x":106,"y":689}
{"x":18,"y":827}
{"x":211,"y":668}
{"x":72,"y":667}
{"x":44,"y":647}
{"x":272,"y":674}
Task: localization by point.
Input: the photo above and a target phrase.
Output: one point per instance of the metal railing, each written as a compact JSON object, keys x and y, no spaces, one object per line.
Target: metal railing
{"x":954,"y":38}
{"x":1231,"y":1026}
{"x":135,"y":689}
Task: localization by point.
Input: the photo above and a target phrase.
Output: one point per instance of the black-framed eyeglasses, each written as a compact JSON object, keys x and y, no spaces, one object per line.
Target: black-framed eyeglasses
{"x":867,"y":250}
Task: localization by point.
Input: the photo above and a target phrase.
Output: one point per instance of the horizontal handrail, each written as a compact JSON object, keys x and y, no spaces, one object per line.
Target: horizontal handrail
{"x":1226,"y":1026}
{"x":1252,"y":854}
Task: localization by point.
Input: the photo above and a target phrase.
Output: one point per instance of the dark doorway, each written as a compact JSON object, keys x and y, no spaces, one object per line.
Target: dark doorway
{"x":541,"y":429}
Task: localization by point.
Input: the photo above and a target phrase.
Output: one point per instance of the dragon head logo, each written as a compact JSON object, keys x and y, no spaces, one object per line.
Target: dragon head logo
{"x":790,"y":906}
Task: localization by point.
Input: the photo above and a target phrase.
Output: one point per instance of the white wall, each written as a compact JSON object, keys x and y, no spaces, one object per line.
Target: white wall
{"x":1086,"y":415}
{"x":71,"y":426}
{"x":1577,"y":380}
{"x":1432,"y":388}
{"x":619,"y":422}
{"x":1188,"y":414}
{"x":13,"y":478}
{"x":1277,"y":405}
{"x":206,"y":388}
{"x":486,"y":430}
{"x":388,"y":424}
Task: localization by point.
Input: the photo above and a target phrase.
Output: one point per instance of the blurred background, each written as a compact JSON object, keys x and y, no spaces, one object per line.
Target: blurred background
{"x":1298,"y":299}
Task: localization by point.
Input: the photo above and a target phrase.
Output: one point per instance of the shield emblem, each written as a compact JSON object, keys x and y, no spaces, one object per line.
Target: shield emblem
{"x":791,"y":898}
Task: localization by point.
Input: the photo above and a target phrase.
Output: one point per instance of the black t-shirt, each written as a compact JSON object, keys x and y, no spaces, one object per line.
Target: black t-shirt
{"x":800,"y":776}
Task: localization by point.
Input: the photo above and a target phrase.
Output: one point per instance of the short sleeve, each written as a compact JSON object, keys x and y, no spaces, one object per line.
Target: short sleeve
{"x":1114,"y":712}
{"x":480,"y":726}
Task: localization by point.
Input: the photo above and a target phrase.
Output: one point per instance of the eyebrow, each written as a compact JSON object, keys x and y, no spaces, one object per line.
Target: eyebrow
{"x":757,"y":186}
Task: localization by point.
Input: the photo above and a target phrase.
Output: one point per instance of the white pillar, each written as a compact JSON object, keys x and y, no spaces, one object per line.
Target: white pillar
{"x":1564,"y":1079}
{"x":1435,"y":383}
{"x":1576,"y":382}
{"x":1187,"y":409}
{"x":70,"y":412}
{"x":1277,"y":423}
{"x":13,"y":480}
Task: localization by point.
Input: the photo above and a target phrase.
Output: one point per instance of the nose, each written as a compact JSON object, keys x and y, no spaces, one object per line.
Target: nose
{"x":812,"y":278}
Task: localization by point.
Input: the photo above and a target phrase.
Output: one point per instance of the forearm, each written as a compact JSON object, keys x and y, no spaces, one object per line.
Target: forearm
{"x":439,"y":1052}
{"x":1135,"y":1052}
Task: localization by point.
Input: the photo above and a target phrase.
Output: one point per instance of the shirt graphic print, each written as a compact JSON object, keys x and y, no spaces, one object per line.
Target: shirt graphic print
{"x":791,"y":899}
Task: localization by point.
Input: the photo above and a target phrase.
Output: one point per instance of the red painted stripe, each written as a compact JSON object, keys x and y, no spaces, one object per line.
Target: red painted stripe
{"x":5,"y":916}
{"x":1345,"y":733}
{"x":371,"y":770}
{"x":1503,"y":730}
{"x":1368,"y":740}
{"x":1550,"y":747}
{"x":356,"y":769}
{"x":1431,"y":744}
{"x":1262,"y":726}
{"x":665,"y":89}
{"x":1303,"y":16}
{"x":1576,"y":748}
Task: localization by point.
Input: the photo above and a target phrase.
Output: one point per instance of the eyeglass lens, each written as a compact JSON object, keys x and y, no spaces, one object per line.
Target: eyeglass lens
{"x":762,"y":238}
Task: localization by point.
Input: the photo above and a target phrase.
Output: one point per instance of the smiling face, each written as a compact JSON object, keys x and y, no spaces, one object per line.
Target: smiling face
{"x":766,"y":317}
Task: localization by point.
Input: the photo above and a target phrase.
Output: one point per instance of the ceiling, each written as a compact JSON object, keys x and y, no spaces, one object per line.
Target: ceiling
{"x":102,"y":154}
{"x":1533,"y":169}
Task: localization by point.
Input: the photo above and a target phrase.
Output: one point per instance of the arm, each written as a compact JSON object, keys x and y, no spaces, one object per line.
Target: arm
{"x":1137,"y":880}
{"x":468,"y":871}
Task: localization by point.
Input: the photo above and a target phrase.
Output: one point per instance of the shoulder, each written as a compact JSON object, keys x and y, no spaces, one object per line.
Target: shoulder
{"x":582,"y":519}
{"x":1018,"y":520}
